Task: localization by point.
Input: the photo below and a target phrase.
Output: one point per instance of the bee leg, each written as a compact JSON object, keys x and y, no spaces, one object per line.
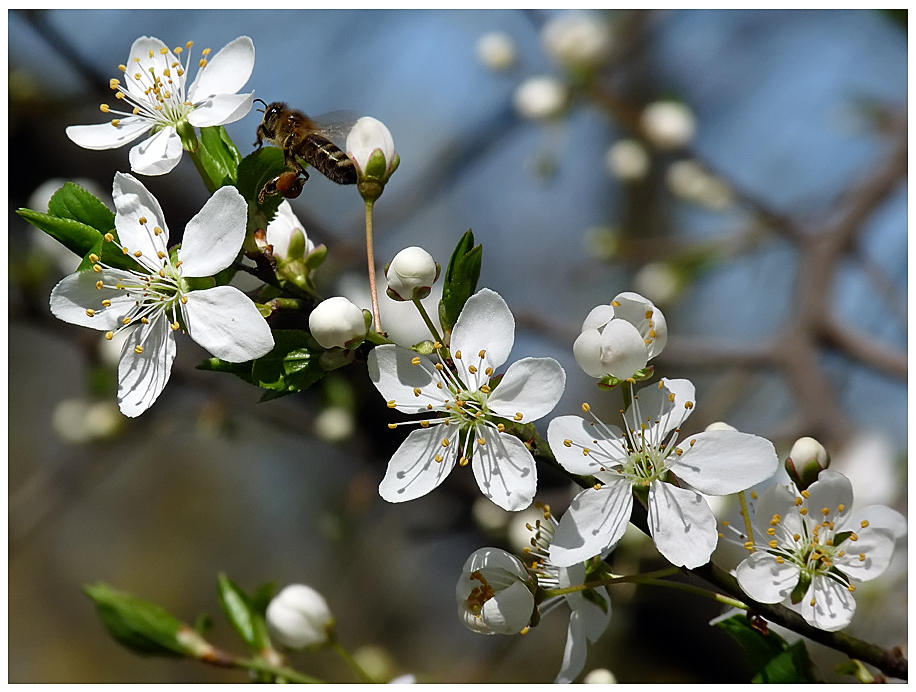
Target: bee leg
{"x":289,"y":184}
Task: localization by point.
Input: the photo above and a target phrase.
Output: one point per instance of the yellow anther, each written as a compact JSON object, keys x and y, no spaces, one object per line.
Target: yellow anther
{"x":518,"y":415}
{"x":773,"y":544}
{"x":851,"y":588}
{"x":749,"y":545}
{"x":167,"y":72}
{"x":688,"y":405}
{"x":798,"y":501}
{"x":803,"y":511}
{"x":415,"y":360}
{"x":175,"y":326}
{"x":440,"y":367}
{"x":162,"y":273}
{"x":392,"y":426}
{"x":648,"y":314}
{"x":693,"y":442}
{"x":458,"y":355}
{"x":679,"y":451}
{"x":481,"y":441}
{"x":93,"y":257}
{"x":417,"y":391}
{"x":163,"y":51}
{"x":485,"y":389}
{"x":138,"y":350}
{"x":143,"y":320}
{"x":106,"y":303}
{"x":445,"y":442}
{"x":775,"y":520}
{"x":180,"y":72}
{"x":813,"y":602}
{"x":586,"y":408}
{"x":805,"y":494}
{"x":114,"y":83}
{"x":671,"y":397}
{"x":864,"y":522}
{"x":597,"y":486}
{"x":104,"y":108}
{"x":771,"y":531}
{"x":429,"y":407}
{"x":753,"y":494}
{"x":840,"y":507}
{"x":97,"y":268}
{"x":501,"y":427}
{"x":853,"y":537}
{"x":825,"y":511}
{"x":861,"y":557}
{"x":136,"y":59}
{"x":123,"y":68}
{"x":203,"y":62}
{"x":151,"y":53}
{"x":463,"y":461}
{"x":184,"y":300}
{"x":615,"y":303}
{"x":586,"y":451}
{"x":392,"y":404}
{"x":525,"y":630}
{"x":472,"y":370}
{"x":116,"y":122}
{"x":488,"y":372}
{"x":126,"y":320}
{"x":567,"y":443}
{"x":160,"y":254}
{"x":652,"y":333}
{"x":109,"y":335}
{"x":120,"y":96}
{"x":437,"y":345}
{"x":99,"y":285}
{"x":90,"y":312}
{"x":109,"y":237}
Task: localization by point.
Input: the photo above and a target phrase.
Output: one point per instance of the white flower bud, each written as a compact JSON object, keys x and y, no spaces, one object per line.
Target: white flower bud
{"x":411,"y":274}
{"x":577,"y":40}
{"x":668,"y":124}
{"x":79,"y":421}
{"x":337,"y":322}
{"x":497,"y":50}
{"x":371,"y":147}
{"x":659,"y":281}
{"x":282,"y":233}
{"x":299,"y":616}
{"x":494,"y":594}
{"x":805,"y":462}
{"x":334,"y":424}
{"x":627,"y":159}
{"x":719,"y":425}
{"x":600,"y":676}
{"x":540,"y":98}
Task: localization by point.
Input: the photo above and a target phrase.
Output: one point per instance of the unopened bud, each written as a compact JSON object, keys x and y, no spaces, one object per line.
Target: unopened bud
{"x":805,"y":461}
{"x":577,"y":40}
{"x":540,"y":98}
{"x":497,"y":51}
{"x":336,"y":322}
{"x":371,"y":147}
{"x":494,"y":593}
{"x":299,"y":617}
{"x":668,"y":124}
{"x":411,"y":274}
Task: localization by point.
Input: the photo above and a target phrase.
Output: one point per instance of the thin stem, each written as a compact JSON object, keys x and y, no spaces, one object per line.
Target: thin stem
{"x":199,"y":164}
{"x":259,"y":665}
{"x":350,"y":661}
{"x":648,"y":577}
{"x":721,"y":598}
{"x":370,"y":253}
{"x":627,"y":392}
{"x":747,"y":518}
{"x":429,"y":322}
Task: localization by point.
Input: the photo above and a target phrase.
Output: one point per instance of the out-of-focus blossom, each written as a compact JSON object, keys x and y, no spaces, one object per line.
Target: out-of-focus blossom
{"x":497,"y":50}
{"x":627,"y":159}
{"x":578,"y":40}
{"x":299,"y":617}
{"x":668,"y":124}
{"x":80,"y":421}
{"x":691,"y":182}
{"x":541,"y":98}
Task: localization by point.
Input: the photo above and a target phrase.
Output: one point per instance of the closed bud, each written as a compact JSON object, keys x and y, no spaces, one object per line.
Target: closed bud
{"x":668,"y":124}
{"x":805,"y":461}
{"x":540,"y":98}
{"x":336,"y":322}
{"x":578,"y":40}
{"x":299,"y":617}
{"x":291,"y":247}
{"x":495,"y":593}
{"x":371,"y":147}
{"x":411,"y":274}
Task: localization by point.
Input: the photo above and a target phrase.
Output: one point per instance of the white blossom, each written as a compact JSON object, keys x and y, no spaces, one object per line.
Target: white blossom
{"x":158,"y":100}
{"x":577,"y":39}
{"x":336,"y":322}
{"x":411,"y":274}
{"x":299,"y":617}
{"x":371,"y":147}
{"x":812,"y":552}
{"x":627,"y":159}
{"x":474,"y":412}
{"x":620,"y":339}
{"x":497,"y":50}
{"x":155,"y":299}
{"x":540,"y":98}
{"x":646,"y":457}
{"x":284,"y":231}
{"x":668,"y":124}
{"x":494,"y":593}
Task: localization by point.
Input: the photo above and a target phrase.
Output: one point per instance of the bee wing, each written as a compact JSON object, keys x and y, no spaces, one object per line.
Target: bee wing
{"x":336,"y":125}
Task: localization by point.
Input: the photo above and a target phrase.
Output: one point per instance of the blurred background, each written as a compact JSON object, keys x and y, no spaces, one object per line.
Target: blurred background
{"x":745,"y":170}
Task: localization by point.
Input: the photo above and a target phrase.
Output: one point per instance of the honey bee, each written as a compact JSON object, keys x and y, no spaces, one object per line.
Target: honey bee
{"x":301,"y":137}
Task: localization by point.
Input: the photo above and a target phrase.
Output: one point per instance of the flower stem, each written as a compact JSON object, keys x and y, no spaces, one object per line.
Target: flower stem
{"x":742,"y":498}
{"x":429,"y":322}
{"x":261,"y":666}
{"x":350,"y":661}
{"x":648,"y":577}
{"x":627,"y":393}
{"x":370,"y":253}
{"x":721,"y":598}
{"x":199,"y":164}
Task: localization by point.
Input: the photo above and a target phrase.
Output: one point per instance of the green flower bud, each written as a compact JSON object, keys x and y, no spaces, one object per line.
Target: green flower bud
{"x":805,"y":461}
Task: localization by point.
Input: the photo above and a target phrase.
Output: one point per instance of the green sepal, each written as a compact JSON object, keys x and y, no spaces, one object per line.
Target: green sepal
{"x":376,"y":165}
{"x":857,"y":669}
{"x":769,"y":654}
{"x":460,"y":281}
{"x":610,"y":382}
{"x":141,"y":626}
{"x":425,"y":348}
{"x":801,"y":588}
{"x":316,"y":257}
{"x":254,"y":171}
{"x":219,"y":155}
{"x":245,"y":613}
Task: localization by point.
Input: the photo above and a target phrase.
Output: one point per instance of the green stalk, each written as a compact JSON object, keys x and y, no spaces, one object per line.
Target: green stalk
{"x":429,"y":322}
{"x":350,"y":661}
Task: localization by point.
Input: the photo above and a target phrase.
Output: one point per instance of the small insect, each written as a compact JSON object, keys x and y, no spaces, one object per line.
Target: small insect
{"x":301,"y":137}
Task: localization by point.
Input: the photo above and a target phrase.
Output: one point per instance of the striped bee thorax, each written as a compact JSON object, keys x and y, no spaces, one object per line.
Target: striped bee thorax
{"x":327,"y":158}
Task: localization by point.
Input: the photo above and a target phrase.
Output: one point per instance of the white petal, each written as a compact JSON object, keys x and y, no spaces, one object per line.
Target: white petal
{"x":142,"y":377}
{"x":653,"y":405}
{"x":830,"y":491}
{"x":604,"y":443}
{"x":221,"y":109}
{"x":213,"y":238}
{"x":226,"y":72}
{"x":106,"y":135}
{"x":495,"y":558}
{"x":778,"y":499}
{"x":508,"y":612}
{"x":833,"y":606}
{"x":280,"y":231}
{"x":766,"y":580}
{"x":134,"y":202}
{"x":575,"y":652}
{"x":78,"y":292}
{"x":367,"y":135}
{"x":682,"y":525}
{"x":413,"y":470}
{"x":598,"y":317}
{"x":591,"y":614}
{"x":504,"y":469}
{"x":587,"y":351}
{"x":397,"y":378}
{"x":721,"y":462}
{"x":157,"y":155}
{"x":594,"y":523}
{"x":485,"y":323}
{"x":634,"y":308}
{"x":225,"y":322}
{"x":875,"y":545}
{"x":619,"y":350}
{"x":149,"y":52}
{"x":531,"y":386}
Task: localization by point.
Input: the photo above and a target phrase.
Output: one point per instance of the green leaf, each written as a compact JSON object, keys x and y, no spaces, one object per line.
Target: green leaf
{"x":139,"y":625}
{"x":254,"y":171}
{"x":768,"y":653}
{"x":245,"y":613}
{"x":219,"y":155}
{"x":290,"y":367}
{"x":74,"y":235}
{"x":78,"y":204}
{"x":460,"y":280}
{"x":241,"y":370}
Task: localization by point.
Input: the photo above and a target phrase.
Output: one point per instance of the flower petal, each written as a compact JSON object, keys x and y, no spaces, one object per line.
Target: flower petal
{"x":721,"y":462}
{"x":495,"y":558}
{"x":654,"y":404}
{"x":531,"y":386}
{"x":682,"y":525}
{"x":143,"y":376}
{"x":621,"y":350}
{"x":134,"y":202}
{"x":830,"y":491}
{"x":146,"y":55}
{"x":213,"y":238}
{"x":598,"y":317}
{"x":413,"y":470}
{"x":485,"y":323}
{"x":778,"y":499}
{"x":78,"y":292}
{"x":225,"y":322}
{"x":575,"y":651}
{"x":221,"y":109}
{"x":833,"y":606}
{"x":594,"y":522}
{"x":507,"y":612}
{"x":593,"y":616}
{"x":603,"y":442}
{"x":106,"y":135}
{"x":504,"y":469}
{"x":869,"y":555}
{"x":396,"y":376}
{"x":648,"y":319}
{"x":157,"y":155}
{"x":226,"y":72}
{"x":766,"y":580}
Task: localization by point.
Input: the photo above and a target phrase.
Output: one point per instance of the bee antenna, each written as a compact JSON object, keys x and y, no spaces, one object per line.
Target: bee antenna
{"x":262,"y":101}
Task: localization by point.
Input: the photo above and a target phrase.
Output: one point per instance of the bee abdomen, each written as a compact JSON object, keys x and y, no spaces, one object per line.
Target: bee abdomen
{"x":329,"y":159}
